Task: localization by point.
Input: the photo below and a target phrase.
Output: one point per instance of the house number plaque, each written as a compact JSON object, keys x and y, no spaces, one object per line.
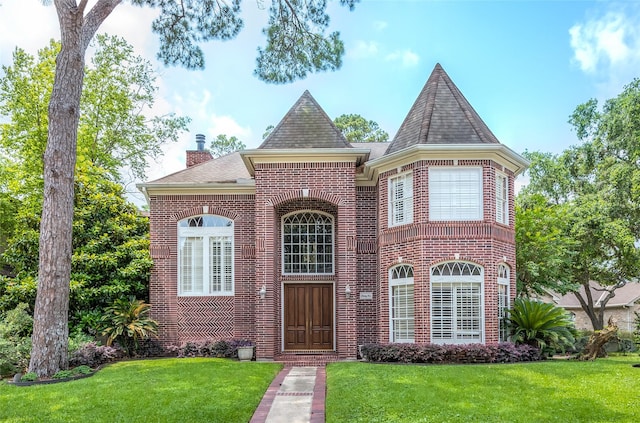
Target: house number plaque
{"x":366,"y":295}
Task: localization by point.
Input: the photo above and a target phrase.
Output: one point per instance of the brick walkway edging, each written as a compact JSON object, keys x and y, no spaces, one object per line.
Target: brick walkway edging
{"x":317,"y":402}
{"x":261,"y":413}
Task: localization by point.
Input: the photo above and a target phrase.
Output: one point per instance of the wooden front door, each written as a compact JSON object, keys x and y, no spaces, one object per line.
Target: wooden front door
{"x":308,"y":316}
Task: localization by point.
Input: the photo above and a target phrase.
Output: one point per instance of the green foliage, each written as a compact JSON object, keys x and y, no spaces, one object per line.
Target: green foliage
{"x":541,"y":325}
{"x":110,"y":254}
{"x":129,"y":323}
{"x":223,"y":145}
{"x":357,"y":129}
{"x":15,"y":340}
{"x":29,"y":377}
{"x":544,"y":253}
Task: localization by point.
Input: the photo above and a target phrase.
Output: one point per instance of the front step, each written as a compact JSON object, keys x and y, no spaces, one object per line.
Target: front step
{"x":307,"y":358}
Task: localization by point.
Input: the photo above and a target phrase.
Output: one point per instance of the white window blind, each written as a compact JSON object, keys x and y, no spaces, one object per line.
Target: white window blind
{"x":455,"y":194}
{"x":205,"y":256}
{"x":401,"y":199}
{"x":502,"y":205}
{"x":402,"y":304}
{"x":456,"y":303}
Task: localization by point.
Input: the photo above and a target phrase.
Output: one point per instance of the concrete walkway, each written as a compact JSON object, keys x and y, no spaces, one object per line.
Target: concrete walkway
{"x":296,"y":395}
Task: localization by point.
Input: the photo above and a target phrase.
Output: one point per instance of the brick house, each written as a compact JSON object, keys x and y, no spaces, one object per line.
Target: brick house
{"x":311,"y":246}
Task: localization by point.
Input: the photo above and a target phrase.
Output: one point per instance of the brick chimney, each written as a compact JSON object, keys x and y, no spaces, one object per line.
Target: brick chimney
{"x":200,"y":155}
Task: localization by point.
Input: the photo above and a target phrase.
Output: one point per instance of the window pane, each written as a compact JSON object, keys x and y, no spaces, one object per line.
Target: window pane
{"x":310,"y":249}
{"x":455,"y":194}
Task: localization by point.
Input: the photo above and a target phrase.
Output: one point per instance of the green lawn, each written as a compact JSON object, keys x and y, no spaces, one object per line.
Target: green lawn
{"x":606,"y":390}
{"x":164,"y":390}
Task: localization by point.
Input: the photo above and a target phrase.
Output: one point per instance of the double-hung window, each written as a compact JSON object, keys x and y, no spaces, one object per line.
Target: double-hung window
{"x":455,"y":193}
{"x":401,"y":199}
{"x":502,"y":205}
{"x":401,"y":304}
{"x":456,"y":303}
{"x":503,"y":302}
{"x":205,"y":256}
{"x":307,"y":243}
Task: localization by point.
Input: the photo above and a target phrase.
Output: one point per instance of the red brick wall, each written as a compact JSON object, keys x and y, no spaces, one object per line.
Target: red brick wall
{"x":365,"y":249}
{"x":279,"y":190}
{"x":423,"y":244}
{"x":201,"y":317}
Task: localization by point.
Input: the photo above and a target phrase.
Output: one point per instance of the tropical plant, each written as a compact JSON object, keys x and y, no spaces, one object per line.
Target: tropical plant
{"x":129,"y":323}
{"x":541,"y":325}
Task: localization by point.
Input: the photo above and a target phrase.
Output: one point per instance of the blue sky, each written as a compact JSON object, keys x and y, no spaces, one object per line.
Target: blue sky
{"x":523,"y":65}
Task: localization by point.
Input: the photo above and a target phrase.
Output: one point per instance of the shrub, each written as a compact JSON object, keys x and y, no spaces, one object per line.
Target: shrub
{"x":151,"y":347}
{"x":450,"y":354}
{"x":29,"y":377}
{"x":213,"y":348}
{"x":129,"y":323}
{"x":93,"y":355}
{"x":15,"y":340}
{"x":541,"y":325}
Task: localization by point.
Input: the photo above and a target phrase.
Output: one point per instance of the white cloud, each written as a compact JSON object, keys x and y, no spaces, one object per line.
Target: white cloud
{"x":363,"y":50}
{"x":380,"y":25}
{"x":406,"y":58}
{"x":607,"y":43}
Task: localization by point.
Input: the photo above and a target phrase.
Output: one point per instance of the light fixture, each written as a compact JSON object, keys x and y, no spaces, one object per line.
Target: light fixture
{"x":347,"y":291}
{"x":263,"y":292}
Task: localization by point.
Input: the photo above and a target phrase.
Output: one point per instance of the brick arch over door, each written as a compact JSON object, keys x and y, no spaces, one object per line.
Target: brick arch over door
{"x":195,"y":211}
{"x":312,"y":194}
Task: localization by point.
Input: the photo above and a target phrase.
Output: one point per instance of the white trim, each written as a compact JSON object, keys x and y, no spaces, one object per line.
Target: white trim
{"x":446,"y":199}
{"x":406,"y":200}
{"x":394,"y":283}
{"x":206,"y":234}
{"x":502,"y":204}
{"x":504,"y":282}
{"x":458,"y":280}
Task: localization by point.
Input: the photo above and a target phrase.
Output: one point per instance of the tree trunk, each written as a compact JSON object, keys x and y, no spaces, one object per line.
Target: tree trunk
{"x":51,"y":312}
{"x":595,"y":346}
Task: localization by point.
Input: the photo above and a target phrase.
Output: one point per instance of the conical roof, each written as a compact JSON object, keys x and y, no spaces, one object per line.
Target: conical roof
{"x":305,"y":125}
{"x":441,"y":115}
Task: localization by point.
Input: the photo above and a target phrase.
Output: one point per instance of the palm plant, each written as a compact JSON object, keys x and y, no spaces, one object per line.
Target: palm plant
{"x":129,"y":322}
{"x":541,"y":325}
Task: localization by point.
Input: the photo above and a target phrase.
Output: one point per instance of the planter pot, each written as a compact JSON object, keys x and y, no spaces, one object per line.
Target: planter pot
{"x":245,"y":353}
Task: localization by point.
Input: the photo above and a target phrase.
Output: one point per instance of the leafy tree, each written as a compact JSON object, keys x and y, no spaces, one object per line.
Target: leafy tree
{"x":357,"y":129}
{"x":110,"y":254}
{"x":541,"y":325}
{"x":599,"y":231}
{"x":223,"y":145}
{"x":544,"y":253}
{"x":128,"y":323}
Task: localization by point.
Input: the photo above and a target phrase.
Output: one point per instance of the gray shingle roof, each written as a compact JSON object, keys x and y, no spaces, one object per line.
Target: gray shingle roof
{"x":227,"y":168}
{"x":305,"y":125}
{"x":441,"y":115}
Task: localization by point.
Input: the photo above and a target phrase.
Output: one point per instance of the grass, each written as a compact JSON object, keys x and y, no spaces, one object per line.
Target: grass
{"x":164,"y":390}
{"x":606,"y":390}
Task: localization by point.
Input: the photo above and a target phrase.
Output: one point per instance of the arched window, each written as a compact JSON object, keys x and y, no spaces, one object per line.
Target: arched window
{"x":307,"y":243}
{"x":456,"y":303}
{"x":401,"y":305}
{"x":205,"y":256}
{"x":503,"y":302}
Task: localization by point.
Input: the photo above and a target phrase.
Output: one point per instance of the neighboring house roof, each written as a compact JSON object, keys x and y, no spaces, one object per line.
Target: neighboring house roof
{"x":306,"y":125}
{"x":625,"y":296}
{"x":441,"y":115}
